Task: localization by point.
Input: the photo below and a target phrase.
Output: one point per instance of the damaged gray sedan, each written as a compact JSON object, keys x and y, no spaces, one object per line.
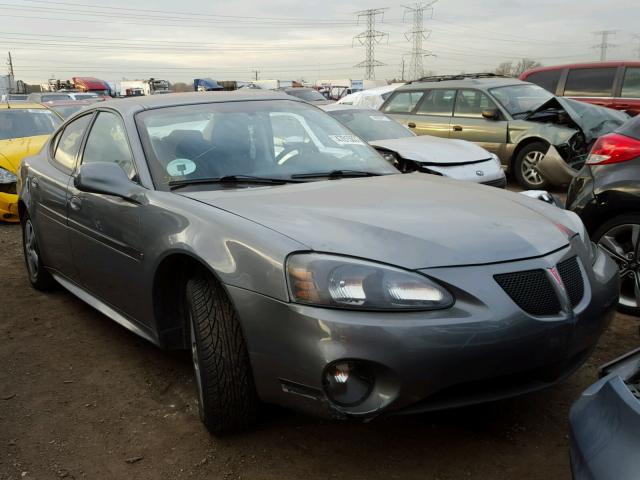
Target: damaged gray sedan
{"x":299,"y":267}
{"x":518,"y":121}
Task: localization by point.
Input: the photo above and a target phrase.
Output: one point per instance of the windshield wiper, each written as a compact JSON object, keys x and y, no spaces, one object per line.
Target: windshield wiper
{"x":175,"y":184}
{"x":336,"y":174}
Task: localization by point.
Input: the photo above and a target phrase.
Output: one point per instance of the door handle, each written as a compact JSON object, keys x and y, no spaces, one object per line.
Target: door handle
{"x":34,"y":182}
{"x":457,"y":128}
{"x":75,"y":203}
{"x":411,"y":125}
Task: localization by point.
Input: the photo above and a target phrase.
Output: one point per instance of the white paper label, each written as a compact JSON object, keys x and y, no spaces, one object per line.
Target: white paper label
{"x":346,"y":139}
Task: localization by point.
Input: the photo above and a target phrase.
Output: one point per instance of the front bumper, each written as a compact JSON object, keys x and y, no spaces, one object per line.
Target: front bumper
{"x":9,"y":207}
{"x":487,"y":172}
{"x":426,"y":360}
{"x":605,"y":424}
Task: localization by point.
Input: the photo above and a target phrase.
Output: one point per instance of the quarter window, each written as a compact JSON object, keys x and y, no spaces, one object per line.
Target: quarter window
{"x":471,"y":103}
{"x":403,"y":102}
{"x":69,"y":142}
{"x":437,"y":102}
{"x":590,"y":82}
{"x":631,"y":83}
{"x":107,"y":142}
{"x":547,"y":79}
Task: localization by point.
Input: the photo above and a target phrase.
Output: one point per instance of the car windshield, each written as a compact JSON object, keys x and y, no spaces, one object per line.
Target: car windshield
{"x":276,"y":139}
{"x":66,"y":111}
{"x":371,"y":124}
{"x":17,"y":123}
{"x":520,"y":100}
{"x":306,"y":95}
{"x":85,"y":96}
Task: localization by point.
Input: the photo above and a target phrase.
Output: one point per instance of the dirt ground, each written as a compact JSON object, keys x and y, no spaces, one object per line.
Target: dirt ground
{"x":81,"y":397}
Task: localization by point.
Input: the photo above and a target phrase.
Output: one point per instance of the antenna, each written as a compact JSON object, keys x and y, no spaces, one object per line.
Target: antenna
{"x":604,"y":44}
{"x":369,"y":39}
{"x":416,"y":35}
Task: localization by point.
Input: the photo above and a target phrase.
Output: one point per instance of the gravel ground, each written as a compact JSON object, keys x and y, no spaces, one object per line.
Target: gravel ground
{"x":81,"y":397}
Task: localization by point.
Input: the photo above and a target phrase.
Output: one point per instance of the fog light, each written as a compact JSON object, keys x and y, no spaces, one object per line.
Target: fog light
{"x":348,"y":383}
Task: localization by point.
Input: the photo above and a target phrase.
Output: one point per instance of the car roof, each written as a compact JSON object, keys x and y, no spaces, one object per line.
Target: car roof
{"x":462,"y":83}
{"x":297,"y":89}
{"x":332,"y":107}
{"x":22,"y":106}
{"x":615,"y":63}
{"x":150,"y":102}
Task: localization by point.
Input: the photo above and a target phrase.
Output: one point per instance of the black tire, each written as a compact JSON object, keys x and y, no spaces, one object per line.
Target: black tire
{"x":227,"y":398}
{"x":522,"y":162}
{"x":38,"y":275}
{"x":618,"y":230}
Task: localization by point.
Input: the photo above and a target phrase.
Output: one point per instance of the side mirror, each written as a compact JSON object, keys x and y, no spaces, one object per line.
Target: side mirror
{"x":106,"y":178}
{"x":491,"y":114}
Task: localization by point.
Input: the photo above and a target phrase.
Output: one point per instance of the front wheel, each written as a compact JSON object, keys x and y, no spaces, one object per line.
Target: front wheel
{"x":39,"y":276}
{"x":525,"y":166}
{"x":227,"y":399}
{"x":620,"y":238}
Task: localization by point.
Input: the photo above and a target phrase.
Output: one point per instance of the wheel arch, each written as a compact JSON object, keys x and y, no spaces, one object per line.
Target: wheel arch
{"x":521,"y":145}
{"x":22,"y":208}
{"x":168,"y":295}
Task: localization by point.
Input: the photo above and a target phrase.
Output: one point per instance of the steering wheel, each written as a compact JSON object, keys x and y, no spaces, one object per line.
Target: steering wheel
{"x":288,"y":154}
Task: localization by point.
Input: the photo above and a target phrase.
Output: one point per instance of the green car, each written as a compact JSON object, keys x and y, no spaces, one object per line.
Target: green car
{"x":518,"y":121}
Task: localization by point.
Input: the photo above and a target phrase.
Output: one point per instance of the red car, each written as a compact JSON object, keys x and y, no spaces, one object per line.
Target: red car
{"x":608,"y":84}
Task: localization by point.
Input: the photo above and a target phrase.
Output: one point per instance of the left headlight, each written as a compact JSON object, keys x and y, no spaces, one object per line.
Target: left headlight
{"x":343,"y":282}
{"x":7,"y":177}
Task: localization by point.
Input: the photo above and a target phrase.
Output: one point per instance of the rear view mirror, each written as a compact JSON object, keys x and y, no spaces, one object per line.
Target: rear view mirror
{"x":106,"y":178}
{"x":491,"y":114}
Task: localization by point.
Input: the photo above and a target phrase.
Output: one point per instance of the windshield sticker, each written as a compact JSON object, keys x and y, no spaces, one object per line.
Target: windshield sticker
{"x":379,"y":118}
{"x":181,"y":167}
{"x":346,"y":139}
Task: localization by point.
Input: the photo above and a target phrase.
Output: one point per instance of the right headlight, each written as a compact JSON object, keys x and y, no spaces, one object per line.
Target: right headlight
{"x":7,"y":177}
{"x":342,"y":282}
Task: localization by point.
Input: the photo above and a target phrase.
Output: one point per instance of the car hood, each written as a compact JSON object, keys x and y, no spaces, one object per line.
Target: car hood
{"x":413,"y":221}
{"x":13,"y":150}
{"x":593,"y":120}
{"x":434,"y":150}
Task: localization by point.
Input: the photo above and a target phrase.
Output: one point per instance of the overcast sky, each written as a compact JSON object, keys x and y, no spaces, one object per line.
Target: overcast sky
{"x":292,"y":39}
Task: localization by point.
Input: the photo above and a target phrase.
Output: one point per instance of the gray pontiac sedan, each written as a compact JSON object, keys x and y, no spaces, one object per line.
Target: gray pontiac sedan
{"x":300,"y":267}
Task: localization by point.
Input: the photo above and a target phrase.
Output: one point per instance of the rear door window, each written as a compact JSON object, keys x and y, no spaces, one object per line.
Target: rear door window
{"x":403,"y":102}
{"x":590,"y":82}
{"x":437,"y":102}
{"x":471,"y":103}
{"x":547,"y":79}
{"x":631,"y":83}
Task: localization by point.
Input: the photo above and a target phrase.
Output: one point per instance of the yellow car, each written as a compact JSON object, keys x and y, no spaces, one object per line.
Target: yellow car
{"x":24,"y":127}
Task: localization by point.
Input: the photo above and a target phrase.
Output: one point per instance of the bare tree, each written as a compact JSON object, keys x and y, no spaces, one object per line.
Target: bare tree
{"x":505,"y":68}
{"x":509,"y":69}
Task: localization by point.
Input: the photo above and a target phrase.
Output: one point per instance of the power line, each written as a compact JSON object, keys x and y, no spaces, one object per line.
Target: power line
{"x":173,"y":19}
{"x":604,"y":44}
{"x":416,"y":35}
{"x":173,"y":13}
{"x":369,"y":39}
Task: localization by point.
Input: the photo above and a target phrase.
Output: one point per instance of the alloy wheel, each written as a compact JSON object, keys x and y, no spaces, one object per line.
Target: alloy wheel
{"x":31,"y":249}
{"x":529,"y":170}
{"x":622,"y":243}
